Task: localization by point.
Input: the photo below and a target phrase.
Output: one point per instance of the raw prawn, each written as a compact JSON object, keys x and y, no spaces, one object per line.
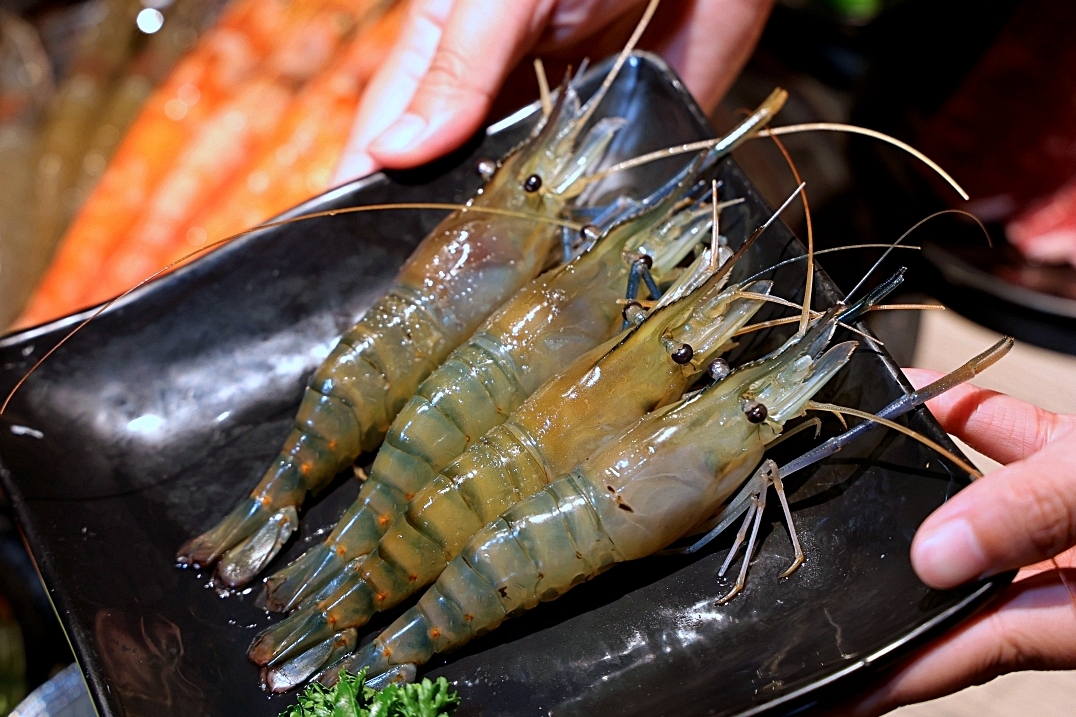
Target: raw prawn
{"x":548,"y":324}
{"x":562,"y":423}
{"x":642,"y":491}
{"x":464,"y":270}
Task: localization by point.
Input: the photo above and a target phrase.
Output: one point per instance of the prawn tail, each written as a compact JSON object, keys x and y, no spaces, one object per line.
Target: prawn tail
{"x":286,"y":588}
{"x":460,"y":606}
{"x":251,"y":535}
{"x":204,"y":550}
{"x":354,"y":537}
{"x":292,"y":673}
{"x":350,"y":606}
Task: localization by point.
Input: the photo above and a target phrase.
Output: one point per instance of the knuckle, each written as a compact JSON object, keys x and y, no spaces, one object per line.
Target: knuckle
{"x":450,"y":73}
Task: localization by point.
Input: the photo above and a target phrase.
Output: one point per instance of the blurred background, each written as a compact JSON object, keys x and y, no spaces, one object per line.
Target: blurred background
{"x":133,"y":132}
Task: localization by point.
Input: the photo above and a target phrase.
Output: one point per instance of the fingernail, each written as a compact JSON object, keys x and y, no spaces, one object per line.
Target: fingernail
{"x":354,"y":166}
{"x":949,"y":555}
{"x":401,"y":135}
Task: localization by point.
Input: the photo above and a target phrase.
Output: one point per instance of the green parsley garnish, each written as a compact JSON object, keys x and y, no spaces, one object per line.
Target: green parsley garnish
{"x":352,"y":698}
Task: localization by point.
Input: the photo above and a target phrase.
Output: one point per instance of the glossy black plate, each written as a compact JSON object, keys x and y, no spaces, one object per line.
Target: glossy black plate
{"x":153,"y":421}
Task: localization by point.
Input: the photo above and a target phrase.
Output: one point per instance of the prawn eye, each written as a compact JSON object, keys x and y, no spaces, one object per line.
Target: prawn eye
{"x":683,"y":354}
{"x":756,"y":412}
{"x":486,"y":168}
{"x":532,"y":184}
{"x":646,"y":260}
{"x":718,"y":369}
{"x":589,"y":232}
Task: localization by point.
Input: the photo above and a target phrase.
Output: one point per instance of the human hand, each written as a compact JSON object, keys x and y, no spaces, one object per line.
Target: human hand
{"x":452,"y":58}
{"x":1021,"y":515}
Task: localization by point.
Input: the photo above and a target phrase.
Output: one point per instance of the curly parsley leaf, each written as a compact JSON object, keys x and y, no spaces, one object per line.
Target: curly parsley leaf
{"x":352,"y":698}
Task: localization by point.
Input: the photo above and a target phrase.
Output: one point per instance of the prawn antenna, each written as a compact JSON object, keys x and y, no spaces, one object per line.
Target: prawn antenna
{"x":874,"y":134}
{"x":788,"y":129}
{"x":714,"y":233}
{"x":727,"y":266}
{"x":595,"y":100}
{"x":808,"y":287}
{"x":221,"y":242}
{"x":820,"y":252}
{"x":918,"y":224}
{"x":842,"y":410}
{"x":543,"y":87}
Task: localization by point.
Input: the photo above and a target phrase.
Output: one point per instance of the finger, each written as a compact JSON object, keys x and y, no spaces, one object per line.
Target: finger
{"x":393,"y":85}
{"x":713,"y":43}
{"x":999,"y":426}
{"x":573,"y":22}
{"x":481,"y":42}
{"x":1032,"y":626}
{"x":1018,"y":515}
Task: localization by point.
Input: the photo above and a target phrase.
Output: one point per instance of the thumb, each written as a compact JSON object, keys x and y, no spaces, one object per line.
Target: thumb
{"x":481,"y":42}
{"x":393,"y":85}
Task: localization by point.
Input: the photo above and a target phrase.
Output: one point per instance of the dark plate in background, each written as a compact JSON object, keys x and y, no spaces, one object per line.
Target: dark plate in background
{"x":147,"y":426}
{"x":1000,"y":289}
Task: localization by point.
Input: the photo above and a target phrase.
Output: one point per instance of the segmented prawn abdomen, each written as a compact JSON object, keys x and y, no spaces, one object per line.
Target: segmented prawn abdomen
{"x":379,"y":363}
{"x":540,"y":549}
{"x":475,"y":390}
{"x":495,"y":473}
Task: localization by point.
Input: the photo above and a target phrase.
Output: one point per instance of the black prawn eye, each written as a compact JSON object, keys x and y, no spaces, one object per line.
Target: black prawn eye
{"x":532,"y":184}
{"x":683,"y":354}
{"x":756,"y":412}
{"x":590,"y":232}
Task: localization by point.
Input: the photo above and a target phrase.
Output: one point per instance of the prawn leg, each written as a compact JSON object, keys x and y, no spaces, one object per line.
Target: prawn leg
{"x":640,"y":268}
{"x":758,"y":506}
{"x":767,"y":475}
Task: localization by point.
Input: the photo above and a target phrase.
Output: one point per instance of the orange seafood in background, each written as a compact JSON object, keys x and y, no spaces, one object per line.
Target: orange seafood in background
{"x":227,"y":105}
{"x":300,"y":160}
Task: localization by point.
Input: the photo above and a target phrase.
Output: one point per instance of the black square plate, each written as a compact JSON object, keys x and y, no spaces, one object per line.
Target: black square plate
{"x":152,"y":422}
